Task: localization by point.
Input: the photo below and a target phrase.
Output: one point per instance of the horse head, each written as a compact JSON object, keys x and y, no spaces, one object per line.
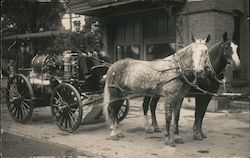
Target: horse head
{"x":199,"y":56}
{"x":230,"y":52}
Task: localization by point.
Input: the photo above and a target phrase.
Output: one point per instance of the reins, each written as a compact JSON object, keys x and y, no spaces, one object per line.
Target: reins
{"x":198,"y":88}
{"x":101,"y":61}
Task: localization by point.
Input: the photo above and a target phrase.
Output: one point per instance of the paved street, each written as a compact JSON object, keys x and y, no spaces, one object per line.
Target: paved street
{"x":21,"y":146}
{"x":228,"y":135}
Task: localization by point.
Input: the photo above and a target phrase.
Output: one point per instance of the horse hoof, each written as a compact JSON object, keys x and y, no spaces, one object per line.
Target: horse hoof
{"x":157,"y":129}
{"x":149,"y":130}
{"x":120,"y":135}
{"x":114,"y":137}
{"x":203,"y":135}
{"x":170,"y":143}
{"x":198,"y":136}
{"x":179,"y":141}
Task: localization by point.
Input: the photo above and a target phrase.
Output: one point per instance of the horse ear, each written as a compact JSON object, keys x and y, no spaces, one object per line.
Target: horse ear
{"x":208,"y":39}
{"x":193,"y":38}
{"x":225,"y":38}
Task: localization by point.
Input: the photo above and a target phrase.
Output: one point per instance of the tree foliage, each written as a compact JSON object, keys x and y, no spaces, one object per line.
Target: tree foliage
{"x":21,"y":16}
{"x":32,"y":16}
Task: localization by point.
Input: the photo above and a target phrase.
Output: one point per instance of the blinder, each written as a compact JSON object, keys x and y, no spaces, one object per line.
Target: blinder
{"x":225,"y":48}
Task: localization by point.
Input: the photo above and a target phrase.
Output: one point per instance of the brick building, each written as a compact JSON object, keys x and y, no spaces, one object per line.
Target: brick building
{"x":150,"y":29}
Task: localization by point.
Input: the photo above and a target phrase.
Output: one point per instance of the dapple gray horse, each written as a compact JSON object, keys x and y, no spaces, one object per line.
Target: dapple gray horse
{"x":165,"y":77}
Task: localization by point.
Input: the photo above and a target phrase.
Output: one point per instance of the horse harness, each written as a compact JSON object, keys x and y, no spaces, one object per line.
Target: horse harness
{"x":214,"y":75}
{"x":181,"y":73}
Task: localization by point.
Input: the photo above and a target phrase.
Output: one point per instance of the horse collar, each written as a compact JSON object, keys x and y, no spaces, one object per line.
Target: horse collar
{"x":182,"y":71}
{"x":221,"y":81}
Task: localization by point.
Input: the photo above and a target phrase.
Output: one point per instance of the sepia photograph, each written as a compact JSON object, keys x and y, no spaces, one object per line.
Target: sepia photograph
{"x":125,"y":79}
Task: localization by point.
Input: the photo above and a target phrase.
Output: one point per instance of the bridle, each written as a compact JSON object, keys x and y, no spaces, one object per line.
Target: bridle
{"x":214,"y":74}
{"x":184,"y":71}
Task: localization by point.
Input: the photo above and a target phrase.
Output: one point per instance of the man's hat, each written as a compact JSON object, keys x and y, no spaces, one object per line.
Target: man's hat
{"x":77,"y":22}
{"x":95,"y":23}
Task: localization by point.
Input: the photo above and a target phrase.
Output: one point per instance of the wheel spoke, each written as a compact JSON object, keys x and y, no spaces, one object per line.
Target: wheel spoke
{"x":26,"y":105}
{"x":62,"y":120}
{"x":60,"y":97}
{"x":58,"y":117}
{"x":66,"y":120}
{"x":15,"y":110}
{"x":55,"y":105}
{"x":12,"y":91}
{"x":72,"y":116}
{"x":72,"y":104}
{"x":56,"y":112}
{"x":58,"y":101}
{"x":69,"y":120}
{"x":15,"y":87}
{"x":12,"y":108}
{"x":18,"y":112}
{"x":21,"y":112}
{"x":25,"y":111}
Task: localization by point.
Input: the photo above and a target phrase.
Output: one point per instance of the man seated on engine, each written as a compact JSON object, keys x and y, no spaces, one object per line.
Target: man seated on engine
{"x":79,"y":45}
{"x":94,"y":40}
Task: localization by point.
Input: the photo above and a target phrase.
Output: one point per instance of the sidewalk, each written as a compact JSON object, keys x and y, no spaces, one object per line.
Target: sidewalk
{"x":228,"y":135}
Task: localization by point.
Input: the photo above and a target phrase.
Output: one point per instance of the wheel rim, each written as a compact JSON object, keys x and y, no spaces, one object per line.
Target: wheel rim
{"x":66,"y":107}
{"x":123,"y":110}
{"x":20,"y":94}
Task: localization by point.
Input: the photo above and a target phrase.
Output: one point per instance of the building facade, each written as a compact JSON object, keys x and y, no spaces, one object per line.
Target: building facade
{"x":151,"y":29}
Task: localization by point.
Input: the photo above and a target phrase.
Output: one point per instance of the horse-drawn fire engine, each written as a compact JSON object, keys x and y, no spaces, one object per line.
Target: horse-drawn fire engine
{"x":54,"y":80}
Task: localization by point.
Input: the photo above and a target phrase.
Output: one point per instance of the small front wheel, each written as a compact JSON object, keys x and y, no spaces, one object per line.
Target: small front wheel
{"x":66,"y":107}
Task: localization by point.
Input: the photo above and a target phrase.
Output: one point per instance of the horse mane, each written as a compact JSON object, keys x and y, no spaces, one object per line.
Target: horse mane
{"x":185,"y":49}
{"x":218,"y":63}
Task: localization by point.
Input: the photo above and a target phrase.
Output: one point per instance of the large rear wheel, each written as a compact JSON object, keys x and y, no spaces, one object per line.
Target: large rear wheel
{"x":66,"y":107}
{"x":20,"y":98}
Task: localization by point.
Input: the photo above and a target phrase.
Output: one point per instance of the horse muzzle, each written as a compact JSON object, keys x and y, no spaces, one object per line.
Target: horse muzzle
{"x":235,"y":65}
{"x":199,"y":73}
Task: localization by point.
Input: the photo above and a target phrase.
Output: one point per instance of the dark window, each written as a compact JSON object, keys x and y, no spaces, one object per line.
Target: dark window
{"x":158,"y":26}
{"x":148,"y":36}
{"x":128,"y":51}
{"x":158,"y":51}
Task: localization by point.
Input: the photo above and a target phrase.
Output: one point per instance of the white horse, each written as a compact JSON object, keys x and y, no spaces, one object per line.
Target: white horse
{"x":165,"y":77}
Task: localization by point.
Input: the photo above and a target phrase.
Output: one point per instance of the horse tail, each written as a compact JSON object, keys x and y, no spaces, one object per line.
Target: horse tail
{"x":106,"y":100}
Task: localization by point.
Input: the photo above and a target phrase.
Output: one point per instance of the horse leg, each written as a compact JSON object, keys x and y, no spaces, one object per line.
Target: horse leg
{"x":168,"y":117}
{"x":113,"y":110}
{"x":200,"y":110}
{"x":177,"y":109}
{"x":145,"y":106}
{"x":153,"y":105}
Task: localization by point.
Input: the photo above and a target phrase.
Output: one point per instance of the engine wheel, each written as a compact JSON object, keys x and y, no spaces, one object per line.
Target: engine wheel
{"x":123,"y":110}
{"x":20,"y":98}
{"x":66,"y":107}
